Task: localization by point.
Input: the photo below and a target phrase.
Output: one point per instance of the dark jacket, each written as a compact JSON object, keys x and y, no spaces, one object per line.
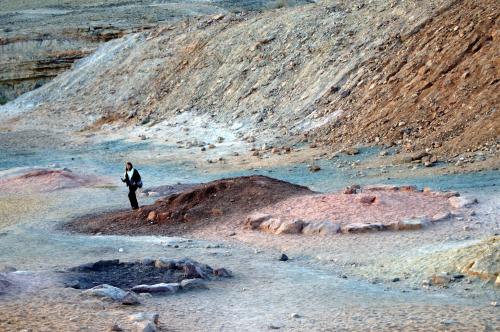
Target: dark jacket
{"x":135,"y":181}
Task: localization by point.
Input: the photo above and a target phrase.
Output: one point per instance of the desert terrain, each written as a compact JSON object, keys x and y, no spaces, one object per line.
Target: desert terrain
{"x":307,"y":166}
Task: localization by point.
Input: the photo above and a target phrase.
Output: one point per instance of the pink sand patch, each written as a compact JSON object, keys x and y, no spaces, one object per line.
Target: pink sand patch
{"x":43,"y":180}
{"x":384,"y":207}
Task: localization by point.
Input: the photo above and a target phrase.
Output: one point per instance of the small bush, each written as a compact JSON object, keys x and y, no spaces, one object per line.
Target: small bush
{"x":280,"y":4}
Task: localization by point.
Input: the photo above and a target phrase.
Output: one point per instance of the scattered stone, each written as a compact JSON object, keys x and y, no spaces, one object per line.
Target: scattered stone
{"x":255,"y":220}
{"x":441,"y":216}
{"x":151,"y":216}
{"x":367,"y":199}
{"x":145,"y":326}
{"x":411,"y":224}
{"x":169,"y":288}
{"x":130,"y":299}
{"x":222,"y":273}
{"x":314,"y":168}
{"x":419,"y":156}
{"x":144,"y":316}
{"x":192,"y":271}
{"x":353,"y":189}
{"x":461,"y":202}
{"x":163,"y":263}
{"x":448,"y":322}
{"x":283,"y":258}
{"x":396,"y":279}
{"x":440,"y":279}
{"x":189,"y":284}
{"x":351,"y":151}
{"x":362,"y":228}
{"x":291,"y":227}
{"x":115,"y":328}
{"x":381,"y":187}
{"x":106,"y":291}
{"x":322,"y":228}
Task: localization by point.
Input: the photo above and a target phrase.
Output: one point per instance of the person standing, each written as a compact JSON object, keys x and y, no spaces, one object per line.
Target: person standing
{"x":133,"y":180}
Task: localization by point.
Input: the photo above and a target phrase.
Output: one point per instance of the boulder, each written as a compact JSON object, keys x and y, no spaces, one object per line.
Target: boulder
{"x":461,"y":202}
{"x":144,"y":316}
{"x":497,"y":281}
{"x":351,"y":151}
{"x":130,"y":299}
{"x":291,"y":227}
{"x":411,"y":224}
{"x":322,"y":228}
{"x":362,"y":228}
{"x":222,"y":273}
{"x":106,"y":291}
{"x":440,"y":279}
{"x":193,"y":271}
{"x":272,"y":225}
{"x":350,"y":190}
{"x":145,"y":326}
{"x":314,"y":168}
{"x":151,"y":216}
{"x":189,"y":284}
{"x":255,"y":220}
{"x":441,"y":216}
{"x":367,"y":199}
{"x":166,"y":288}
{"x":381,"y":187}
{"x":163,"y":263}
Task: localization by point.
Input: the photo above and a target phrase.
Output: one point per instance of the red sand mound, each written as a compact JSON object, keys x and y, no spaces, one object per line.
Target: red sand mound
{"x":265,"y":204}
{"x":43,"y":180}
{"x":220,"y":200}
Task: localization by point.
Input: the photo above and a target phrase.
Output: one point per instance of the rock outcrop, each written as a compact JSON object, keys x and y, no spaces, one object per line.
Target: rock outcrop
{"x":39,"y":41}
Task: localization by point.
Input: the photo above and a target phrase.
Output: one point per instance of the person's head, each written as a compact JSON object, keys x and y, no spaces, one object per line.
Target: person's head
{"x":128,"y":166}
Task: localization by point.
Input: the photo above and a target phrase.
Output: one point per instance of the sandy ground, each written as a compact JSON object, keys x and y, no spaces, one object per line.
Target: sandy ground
{"x":343,"y":282}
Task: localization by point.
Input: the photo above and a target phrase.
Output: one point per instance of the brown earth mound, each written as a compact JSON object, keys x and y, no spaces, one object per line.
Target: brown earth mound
{"x":274,"y":206}
{"x":195,"y":208}
{"x":435,"y":88}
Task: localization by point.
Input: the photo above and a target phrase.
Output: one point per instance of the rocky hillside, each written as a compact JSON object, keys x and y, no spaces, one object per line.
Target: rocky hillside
{"x":41,"y":39}
{"x":414,"y":74}
{"x":435,"y":88}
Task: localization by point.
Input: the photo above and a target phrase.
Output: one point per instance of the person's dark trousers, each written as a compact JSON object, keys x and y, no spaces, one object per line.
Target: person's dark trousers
{"x":132,"y":198}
